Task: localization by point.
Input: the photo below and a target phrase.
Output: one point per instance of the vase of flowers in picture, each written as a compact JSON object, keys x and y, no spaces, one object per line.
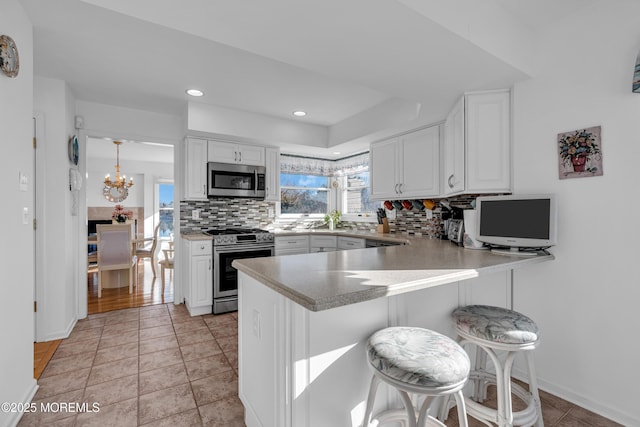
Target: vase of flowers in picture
{"x":577,"y":148}
{"x":121,"y":216}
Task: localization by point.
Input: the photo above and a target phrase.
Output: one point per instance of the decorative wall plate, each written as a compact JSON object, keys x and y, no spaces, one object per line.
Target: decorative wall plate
{"x":9,"y":59}
{"x":73,"y":149}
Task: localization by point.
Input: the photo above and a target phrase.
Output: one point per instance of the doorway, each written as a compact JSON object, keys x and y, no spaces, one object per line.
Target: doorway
{"x":147,"y":163}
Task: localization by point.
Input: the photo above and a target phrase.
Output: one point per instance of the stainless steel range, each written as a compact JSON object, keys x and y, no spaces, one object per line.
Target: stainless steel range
{"x":230,"y":244}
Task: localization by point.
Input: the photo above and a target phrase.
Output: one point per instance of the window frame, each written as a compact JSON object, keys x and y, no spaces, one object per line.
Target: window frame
{"x":330,"y":199}
{"x":342,"y":198}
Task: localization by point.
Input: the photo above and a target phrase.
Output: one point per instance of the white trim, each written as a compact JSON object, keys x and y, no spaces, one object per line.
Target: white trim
{"x":15,"y":417}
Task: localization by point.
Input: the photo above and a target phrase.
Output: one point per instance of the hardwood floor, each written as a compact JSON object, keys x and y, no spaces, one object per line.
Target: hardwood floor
{"x":148,"y":291}
{"x":42,"y":353}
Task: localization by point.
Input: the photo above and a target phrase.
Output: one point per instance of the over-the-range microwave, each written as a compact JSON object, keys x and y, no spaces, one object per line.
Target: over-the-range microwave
{"x":229,"y":180}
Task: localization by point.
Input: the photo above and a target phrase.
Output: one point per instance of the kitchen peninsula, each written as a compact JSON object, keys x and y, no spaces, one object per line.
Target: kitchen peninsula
{"x":304,"y":320}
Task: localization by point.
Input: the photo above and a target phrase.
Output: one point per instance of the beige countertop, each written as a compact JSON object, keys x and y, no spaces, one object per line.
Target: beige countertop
{"x":320,"y":281}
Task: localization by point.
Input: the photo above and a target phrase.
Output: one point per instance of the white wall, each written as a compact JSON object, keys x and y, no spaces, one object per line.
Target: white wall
{"x":586,"y":300}
{"x":16,"y":305}
{"x":58,"y":228}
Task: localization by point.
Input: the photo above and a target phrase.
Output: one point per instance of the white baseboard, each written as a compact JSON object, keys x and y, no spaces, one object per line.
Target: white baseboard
{"x":15,"y":417}
{"x":583,"y":401}
{"x":62,"y":334}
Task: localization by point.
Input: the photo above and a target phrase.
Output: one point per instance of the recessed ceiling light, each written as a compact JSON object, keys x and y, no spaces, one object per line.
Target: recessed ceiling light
{"x":194,"y":92}
{"x":336,"y":152}
{"x":299,"y":113}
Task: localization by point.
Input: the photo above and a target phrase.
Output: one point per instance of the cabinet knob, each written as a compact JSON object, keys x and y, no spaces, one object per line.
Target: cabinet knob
{"x":235,"y":156}
{"x":202,"y":247}
{"x":450,"y":181}
{"x":400,"y":187}
{"x":396,"y":188}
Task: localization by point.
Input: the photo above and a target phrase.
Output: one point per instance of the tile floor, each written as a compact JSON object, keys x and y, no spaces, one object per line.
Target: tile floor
{"x":151,"y":366}
{"x":158,"y":366}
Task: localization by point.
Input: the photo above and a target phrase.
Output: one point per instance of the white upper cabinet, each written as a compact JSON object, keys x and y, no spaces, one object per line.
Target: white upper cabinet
{"x":227,"y":152}
{"x":272,"y":187}
{"x":488,"y":147}
{"x":453,"y":152}
{"x":407,"y":166}
{"x":420,"y":172}
{"x":477,"y":144}
{"x":195,"y":167}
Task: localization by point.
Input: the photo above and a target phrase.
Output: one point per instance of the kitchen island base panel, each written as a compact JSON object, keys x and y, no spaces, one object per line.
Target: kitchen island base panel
{"x":305,"y":369}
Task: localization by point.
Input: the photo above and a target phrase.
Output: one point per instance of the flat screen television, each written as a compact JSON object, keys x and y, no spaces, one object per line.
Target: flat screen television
{"x":519,"y":224}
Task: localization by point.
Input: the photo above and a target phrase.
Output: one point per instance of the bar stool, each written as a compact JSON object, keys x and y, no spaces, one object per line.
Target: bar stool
{"x":493,"y":329}
{"x":420,"y":361}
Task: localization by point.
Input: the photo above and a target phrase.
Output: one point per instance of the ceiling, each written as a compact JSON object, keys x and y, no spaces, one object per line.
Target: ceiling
{"x":334,"y":59}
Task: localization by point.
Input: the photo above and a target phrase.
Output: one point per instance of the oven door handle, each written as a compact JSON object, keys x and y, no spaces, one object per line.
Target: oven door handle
{"x":241,"y":248}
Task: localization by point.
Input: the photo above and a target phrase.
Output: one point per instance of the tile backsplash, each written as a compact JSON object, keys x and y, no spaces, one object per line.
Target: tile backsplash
{"x":235,"y":212}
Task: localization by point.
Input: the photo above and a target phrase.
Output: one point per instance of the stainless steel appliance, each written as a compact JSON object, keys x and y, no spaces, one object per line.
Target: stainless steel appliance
{"x":230,"y":244}
{"x":229,"y":180}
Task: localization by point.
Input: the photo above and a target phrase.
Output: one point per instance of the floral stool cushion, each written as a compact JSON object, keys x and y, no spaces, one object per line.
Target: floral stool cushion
{"x":418,"y":357}
{"x":496,"y":324}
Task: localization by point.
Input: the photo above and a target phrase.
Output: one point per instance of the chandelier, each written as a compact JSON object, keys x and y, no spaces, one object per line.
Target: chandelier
{"x":118,"y":189}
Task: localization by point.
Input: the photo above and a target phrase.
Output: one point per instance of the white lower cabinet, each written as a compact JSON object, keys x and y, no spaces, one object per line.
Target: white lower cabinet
{"x":291,"y":245}
{"x":323,"y":244}
{"x":350,"y":243}
{"x":199,"y":290}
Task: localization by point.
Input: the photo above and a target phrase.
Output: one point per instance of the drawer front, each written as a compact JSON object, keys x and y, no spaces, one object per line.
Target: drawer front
{"x":292,"y":242}
{"x":314,"y":250}
{"x":324,"y":241}
{"x":350,"y":243}
{"x":203,"y":247}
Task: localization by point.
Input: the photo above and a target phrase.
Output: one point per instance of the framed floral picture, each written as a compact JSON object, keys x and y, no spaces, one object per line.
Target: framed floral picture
{"x":580,"y":153}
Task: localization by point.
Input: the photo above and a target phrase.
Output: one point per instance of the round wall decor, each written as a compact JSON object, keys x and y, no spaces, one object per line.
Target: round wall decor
{"x":9,"y":59}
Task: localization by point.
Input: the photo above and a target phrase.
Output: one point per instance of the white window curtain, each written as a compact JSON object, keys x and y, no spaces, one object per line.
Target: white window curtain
{"x":323,"y":167}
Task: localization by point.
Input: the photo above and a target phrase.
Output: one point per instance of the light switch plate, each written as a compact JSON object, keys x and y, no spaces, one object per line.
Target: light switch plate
{"x":429,"y":213}
{"x":195,"y":214}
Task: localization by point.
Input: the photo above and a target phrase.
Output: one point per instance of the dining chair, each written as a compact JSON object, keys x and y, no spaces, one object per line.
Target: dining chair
{"x":166,"y":263}
{"x":115,"y":252}
{"x":150,"y":251}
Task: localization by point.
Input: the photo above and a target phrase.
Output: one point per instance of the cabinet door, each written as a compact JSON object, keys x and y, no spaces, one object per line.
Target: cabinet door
{"x":272,"y":190}
{"x":382,"y":168}
{"x":350,"y":243}
{"x":453,"y":159}
{"x":251,"y":155}
{"x":201,"y":281}
{"x":195,"y":169}
{"x":488,"y":132}
{"x":421,"y":163}
{"x":222,"y":152}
